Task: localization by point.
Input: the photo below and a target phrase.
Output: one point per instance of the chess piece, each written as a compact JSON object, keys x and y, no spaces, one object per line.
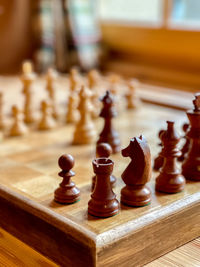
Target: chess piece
{"x":103,"y":202}
{"x":93,"y":81}
{"x":18,"y":127}
{"x":103,"y":150}
{"x":50,"y":78}
{"x":72,"y":112}
{"x":84,"y":129}
{"x":191,"y":165}
{"x":186,"y":146}
{"x":67,"y":192}
{"x":170,"y":179}
{"x":74,"y":79}
{"x":93,"y":78}
{"x":158,"y":161}
{"x":131,"y":97}
{"x":114,"y":80}
{"x":1,"y":111}
{"x":108,"y":134}
{"x":46,"y":122}
{"x":27,"y":79}
{"x":137,"y":174}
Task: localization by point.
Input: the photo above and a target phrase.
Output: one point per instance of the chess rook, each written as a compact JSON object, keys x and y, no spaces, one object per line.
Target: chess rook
{"x":103,"y":202}
{"x":103,"y":150}
{"x":170,"y":179}
{"x":137,"y":174}
{"x":191,"y":165}
{"x":108,"y":134}
{"x":67,"y":192}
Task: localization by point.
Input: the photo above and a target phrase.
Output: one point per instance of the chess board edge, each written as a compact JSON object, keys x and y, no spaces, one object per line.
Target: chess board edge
{"x":153,"y":234}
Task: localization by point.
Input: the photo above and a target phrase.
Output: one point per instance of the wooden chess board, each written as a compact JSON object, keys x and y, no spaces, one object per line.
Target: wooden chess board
{"x":66,"y":233}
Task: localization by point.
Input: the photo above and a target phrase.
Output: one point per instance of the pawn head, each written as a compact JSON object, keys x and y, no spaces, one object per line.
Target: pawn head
{"x":103,"y":150}
{"x":66,"y":162}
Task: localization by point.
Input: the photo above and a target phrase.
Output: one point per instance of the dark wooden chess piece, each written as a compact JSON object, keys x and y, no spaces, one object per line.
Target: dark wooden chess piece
{"x":108,"y":134}
{"x":103,"y":202}
{"x":137,"y":174}
{"x":158,"y":162}
{"x":191,"y":165}
{"x":67,"y":192}
{"x":170,"y":179}
{"x":103,"y":150}
{"x":186,"y":146}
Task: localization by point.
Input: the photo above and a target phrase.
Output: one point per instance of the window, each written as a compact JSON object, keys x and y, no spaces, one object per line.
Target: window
{"x":157,"y":38}
{"x":133,"y":11}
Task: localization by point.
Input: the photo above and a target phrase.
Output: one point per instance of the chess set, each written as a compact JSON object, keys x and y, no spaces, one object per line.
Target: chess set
{"x":86,"y":182}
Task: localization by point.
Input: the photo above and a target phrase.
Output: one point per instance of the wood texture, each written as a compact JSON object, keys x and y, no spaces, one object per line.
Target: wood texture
{"x":15,"y":253}
{"x":67,"y":234}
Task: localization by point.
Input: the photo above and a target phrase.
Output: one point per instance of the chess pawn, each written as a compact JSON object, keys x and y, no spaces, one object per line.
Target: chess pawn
{"x":93,"y":78}
{"x":18,"y":128}
{"x":103,"y":202}
{"x":103,"y":150}
{"x":84,"y":129}
{"x":50,"y":78}
{"x":67,"y":192}
{"x":108,"y":134}
{"x":72,"y":112}
{"x":46,"y":122}
{"x":170,"y":179}
{"x":186,"y":146}
{"x":137,"y":174}
{"x":132,"y":99}
{"x":27,"y":79}
{"x":28,"y":109}
{"x":158,"y":161}
{"x":191,"y":164}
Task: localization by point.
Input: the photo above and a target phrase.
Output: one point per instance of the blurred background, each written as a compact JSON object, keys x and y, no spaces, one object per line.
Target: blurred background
{"x":156,"y":41}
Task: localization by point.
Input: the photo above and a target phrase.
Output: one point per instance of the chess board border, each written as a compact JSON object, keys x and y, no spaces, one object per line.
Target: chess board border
{"x":66,"y":242}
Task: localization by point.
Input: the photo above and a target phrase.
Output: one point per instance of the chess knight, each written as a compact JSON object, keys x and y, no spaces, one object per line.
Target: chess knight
{"x":137,"y":174}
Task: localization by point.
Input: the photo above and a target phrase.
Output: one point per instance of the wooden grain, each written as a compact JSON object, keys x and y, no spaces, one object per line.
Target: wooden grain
{"x":67,"y":234}
{"x":187,"y":255}
{"x":13,"y":252}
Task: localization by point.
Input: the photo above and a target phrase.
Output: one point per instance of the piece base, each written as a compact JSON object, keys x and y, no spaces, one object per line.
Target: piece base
{"x":103,"y":215}
{"x":135,"y":203}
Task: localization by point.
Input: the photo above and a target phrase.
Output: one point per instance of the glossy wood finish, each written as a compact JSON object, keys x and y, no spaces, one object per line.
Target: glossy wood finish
{"x":67,"y":234}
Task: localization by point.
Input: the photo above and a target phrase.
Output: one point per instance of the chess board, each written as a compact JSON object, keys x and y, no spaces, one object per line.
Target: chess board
{"x":66,"y":233}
